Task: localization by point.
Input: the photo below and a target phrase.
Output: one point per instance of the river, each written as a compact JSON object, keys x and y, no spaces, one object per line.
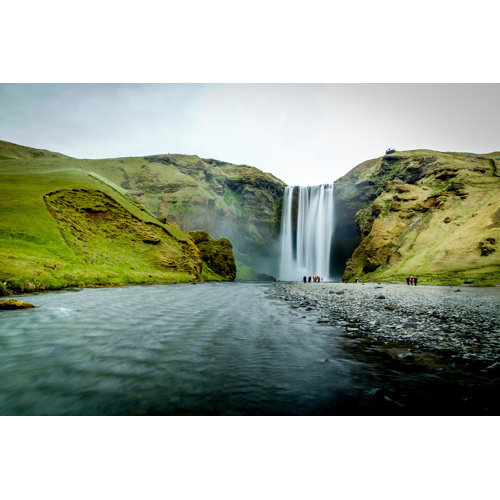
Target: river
{"x":212,"y":349}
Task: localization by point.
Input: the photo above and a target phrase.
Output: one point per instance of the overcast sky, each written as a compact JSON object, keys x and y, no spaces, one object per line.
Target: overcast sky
{"x":304,"y":134}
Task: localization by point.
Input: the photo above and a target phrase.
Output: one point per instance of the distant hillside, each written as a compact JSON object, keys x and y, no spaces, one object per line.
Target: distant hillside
{"x":61,"y":225}
{"x":433,"y":214}
{"x":238,"y":202}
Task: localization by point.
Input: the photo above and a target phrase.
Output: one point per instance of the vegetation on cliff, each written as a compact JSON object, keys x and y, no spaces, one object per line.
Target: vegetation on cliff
{"x":217,"y":256}
{"x":433,"y":214}
{"x":237,"y":202}
{"x":62,"y":225}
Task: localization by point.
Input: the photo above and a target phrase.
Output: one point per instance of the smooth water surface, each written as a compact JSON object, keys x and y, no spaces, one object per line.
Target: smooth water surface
{"x":210,"y":349}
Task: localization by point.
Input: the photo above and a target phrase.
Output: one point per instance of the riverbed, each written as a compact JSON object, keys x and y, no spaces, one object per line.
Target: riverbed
{"x":461,"y":322}
{"x":216,"y":349}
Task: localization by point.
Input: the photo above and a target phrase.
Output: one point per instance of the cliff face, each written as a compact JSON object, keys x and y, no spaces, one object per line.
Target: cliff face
{"x":237,"y":202}
{"x":61,"y":225}
{"x":432,"y":214}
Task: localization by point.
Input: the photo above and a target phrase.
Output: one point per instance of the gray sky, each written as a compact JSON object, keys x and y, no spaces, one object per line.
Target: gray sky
{"x":302,"y":133}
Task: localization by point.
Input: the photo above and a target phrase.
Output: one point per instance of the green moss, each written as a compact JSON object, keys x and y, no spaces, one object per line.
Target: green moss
{"x":385,"y":211}
{"x":437,"y":188}
{"x":217,"y":255}
{"x":362,"y":216}
{"x":208,"y":275}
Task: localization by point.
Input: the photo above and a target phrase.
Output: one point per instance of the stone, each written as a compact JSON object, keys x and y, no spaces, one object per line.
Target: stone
{"x":151,"y":240}
{"x":406,"y":355}
{"x":494,"y":366}
{"x":486,"y":247}
{"x":14,"y":304}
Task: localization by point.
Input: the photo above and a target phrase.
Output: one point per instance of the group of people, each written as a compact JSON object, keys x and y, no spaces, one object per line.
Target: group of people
{"x":316,"y":279}
{"x":411,"y":280}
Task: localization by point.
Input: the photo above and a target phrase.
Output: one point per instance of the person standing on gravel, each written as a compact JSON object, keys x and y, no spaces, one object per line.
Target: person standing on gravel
{"x":411,"y":280}
{"x":415,"y":280}
{"x":407,"y":280}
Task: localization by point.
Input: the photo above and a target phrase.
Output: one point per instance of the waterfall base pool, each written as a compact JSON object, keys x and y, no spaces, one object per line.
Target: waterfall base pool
{"x":211,"y":349}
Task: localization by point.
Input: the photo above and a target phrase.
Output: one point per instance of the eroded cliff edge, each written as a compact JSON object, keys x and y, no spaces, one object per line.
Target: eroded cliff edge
{"x":423,"y":212}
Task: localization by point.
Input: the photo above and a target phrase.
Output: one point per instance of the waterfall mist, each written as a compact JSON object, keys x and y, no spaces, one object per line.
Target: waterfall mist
{"x":307,"y":226}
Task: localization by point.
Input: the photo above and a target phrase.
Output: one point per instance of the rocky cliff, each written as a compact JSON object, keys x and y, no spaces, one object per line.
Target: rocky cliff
{"x":433,"y":214}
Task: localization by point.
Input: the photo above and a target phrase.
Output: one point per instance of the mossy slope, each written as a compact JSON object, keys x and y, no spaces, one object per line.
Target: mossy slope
{"x":238,"y":202}
{"x":63,"y":226}
{"x":424,"y":212}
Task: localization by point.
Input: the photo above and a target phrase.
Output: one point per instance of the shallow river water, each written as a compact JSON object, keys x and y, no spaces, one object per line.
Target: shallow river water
{"x":213,"y":349}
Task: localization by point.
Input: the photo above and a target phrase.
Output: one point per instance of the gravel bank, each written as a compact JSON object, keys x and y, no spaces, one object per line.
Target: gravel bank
{"x":461,"y":321}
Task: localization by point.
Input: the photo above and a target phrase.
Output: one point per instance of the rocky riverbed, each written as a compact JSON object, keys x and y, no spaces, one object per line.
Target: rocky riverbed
{"x":463,"y":322}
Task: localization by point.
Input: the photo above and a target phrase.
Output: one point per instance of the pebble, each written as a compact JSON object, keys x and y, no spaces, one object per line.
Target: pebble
{"x":434,"y":318}
{"x":323,"y":320}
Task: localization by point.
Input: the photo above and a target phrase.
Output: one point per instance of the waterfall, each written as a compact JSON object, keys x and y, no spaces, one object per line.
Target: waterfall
{"x":306,"y":239}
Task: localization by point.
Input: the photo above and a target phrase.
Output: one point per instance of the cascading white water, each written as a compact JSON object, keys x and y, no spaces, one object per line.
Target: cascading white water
{"x":306,"y":251}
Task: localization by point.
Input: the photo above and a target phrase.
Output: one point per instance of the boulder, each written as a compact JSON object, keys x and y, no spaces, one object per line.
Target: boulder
{"x":486,"y":247}
{"x":14,"y":304}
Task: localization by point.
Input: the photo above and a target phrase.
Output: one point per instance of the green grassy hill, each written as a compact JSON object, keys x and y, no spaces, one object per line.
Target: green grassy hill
{"x":63,"y":225}
{"x":237,"y":202}
{"x":433,"y":214}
